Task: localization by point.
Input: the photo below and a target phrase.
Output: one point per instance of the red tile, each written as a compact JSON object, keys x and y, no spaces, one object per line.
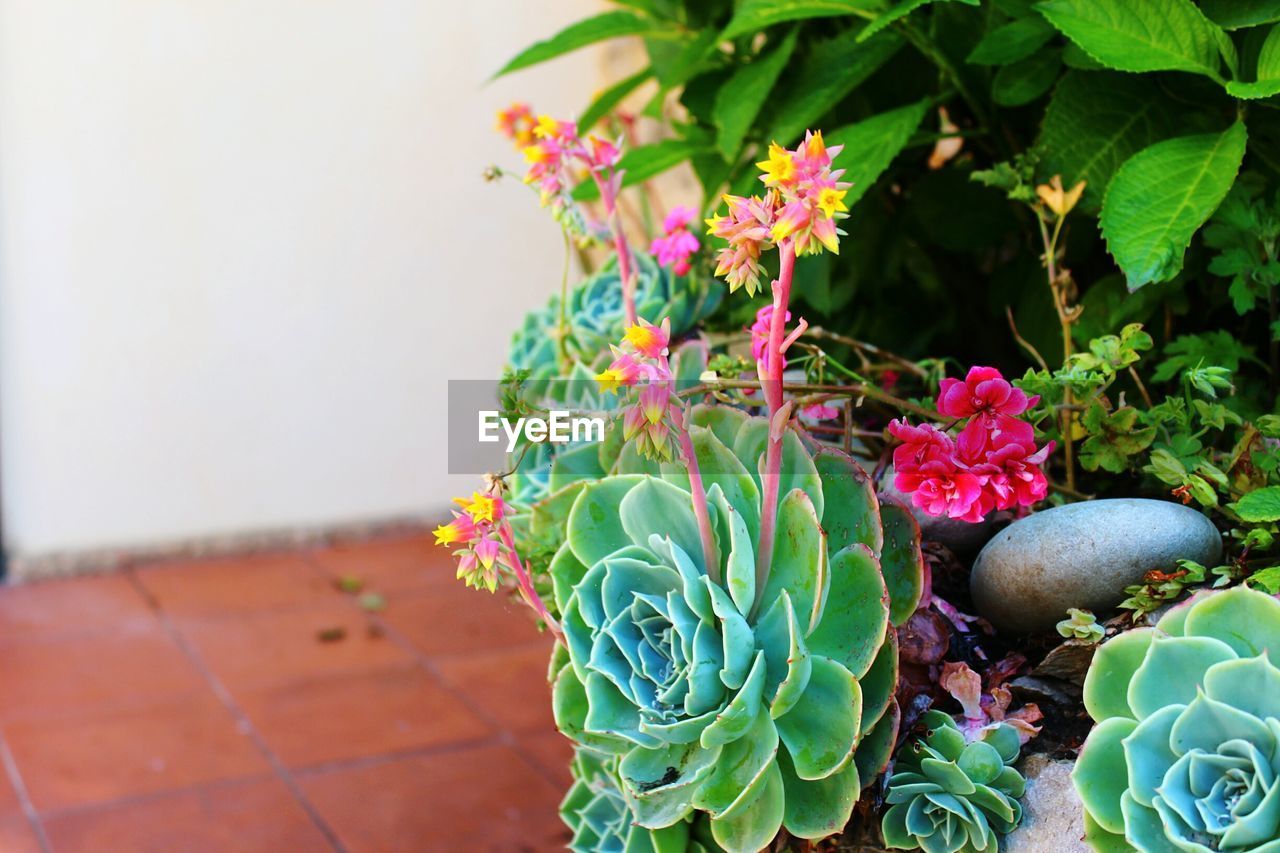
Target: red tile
{"x":229,"y":586}
{"x":510,"y":685}
{"x":260,"y":816}
{"x":480,"y":799}
{"x":125,"y":668}
{"x":553,"y":752}
{"x":461,"y":620}
{"x":100,"y":756}
{"x":17,"y":836}
{"x":359,"y":716}
{"x":75,"y":606}
{"x":389,"y":565}
{"x":284,"y":646}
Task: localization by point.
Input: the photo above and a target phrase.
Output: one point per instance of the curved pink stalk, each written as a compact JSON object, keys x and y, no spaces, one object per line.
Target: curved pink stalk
{"x":770,"y":370}
{"x":609,"y":189}
{"x":700,"y":511}
{"x":527,"y":592}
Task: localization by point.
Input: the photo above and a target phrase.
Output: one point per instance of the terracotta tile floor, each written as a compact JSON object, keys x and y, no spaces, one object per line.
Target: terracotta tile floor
{"x":249,"y":704}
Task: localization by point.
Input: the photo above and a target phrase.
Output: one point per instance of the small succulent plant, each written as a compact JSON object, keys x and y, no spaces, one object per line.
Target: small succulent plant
{"x":1186,"y":751}
{"x":947,"y":795}
{"x":1081,"y":625}
{"x":597,"y":813}
{"x":761,"y":708}
{"x":595,"y":314}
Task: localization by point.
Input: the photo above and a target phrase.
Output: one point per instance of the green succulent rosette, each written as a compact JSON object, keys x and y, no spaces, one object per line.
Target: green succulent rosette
{"x":950,"y":796}
{"x":1186,"y":752}
{"x":596,"y":812}
{"x":596,"y":316}
{"x":761,"y":708}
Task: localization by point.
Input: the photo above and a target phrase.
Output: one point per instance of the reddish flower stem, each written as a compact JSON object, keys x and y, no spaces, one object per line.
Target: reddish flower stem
{"x":610,"y":198}
{"x":700,"y":511}
{"x":527,"y":591}
{"x":771,"y":378}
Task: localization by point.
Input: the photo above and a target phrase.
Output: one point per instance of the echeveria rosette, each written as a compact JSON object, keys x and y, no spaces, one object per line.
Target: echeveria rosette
{"x":596,"y":316}
{"x":760,"y":720}
{"x":1186,"y":752}
{"x":947,"y":795}
{"x":600,"y":819}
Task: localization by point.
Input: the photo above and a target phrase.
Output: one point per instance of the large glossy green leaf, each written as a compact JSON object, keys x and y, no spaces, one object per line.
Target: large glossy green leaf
{"x":851,"y":513}
{"x":1234,"y":14}
{"x":752,"y":825}
{"x":829,"y":70}
{"x":897,"y":11}
{"x":856,"y":611}
{"x":821,"y":729}
{"x":595,"y":530}
{"x":1012,"y":42}
{"x":1259,"y":505}
{"x":1106,"y":685}
{"x":799,"y":563}
{"x":871,"y":144}
{"x":1025,"y":80}
{"x":1162,"y":195}
{"x":1152,"y":35}
{"x":611,"y":97}
{"x":1100,"y":774}
{"x":1096,"y":121}
{"x":657,"y":507}
{"x":739,"y":100}
{"x":876,"y":746}
{"x":578,"y":35}
{"x":752,"y":15}
{"x":821,"y":807}
{"x":1267,"y":80}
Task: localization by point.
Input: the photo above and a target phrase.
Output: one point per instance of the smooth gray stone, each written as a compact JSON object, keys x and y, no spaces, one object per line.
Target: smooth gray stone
{"x":1052,"y":814}
{"x":1083,"y":555}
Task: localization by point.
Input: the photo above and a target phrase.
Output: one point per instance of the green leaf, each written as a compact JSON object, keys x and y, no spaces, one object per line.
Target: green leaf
{"x":1267,"y":82}
{"x":1259,"y":505}
{"x":611,"y":97}
{"x":1234,"y":14}
{"x":586,"y":32}
{"x":816,"y":809}
{"x":752,"y":15}
{"x":829,"y":70}
{"x":643,"y":163}
{"x":871,"y":144}
{"x":819,"y":731}
{"x":901,"y":561}
{"x":1153,"y":35}
{"x":1162,"y":195}
{"x":901,"y":10}
{"x":1012,"y":42}
{"x":1101,"y":775}
{"x":739,"y":100}
{"x":1024,"y":81}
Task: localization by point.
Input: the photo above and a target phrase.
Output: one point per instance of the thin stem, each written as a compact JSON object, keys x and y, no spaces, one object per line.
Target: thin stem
{"x":562,"y":326}
{"x":610,"y":198}
{"x":530,"y":594}
{"x":864,"y":347}
{"x":710,"y":553}
{"x":770,"y":370}
{"x":855,"y":389}
{"x":1065,"y":319}
{"x":1025,"y":344}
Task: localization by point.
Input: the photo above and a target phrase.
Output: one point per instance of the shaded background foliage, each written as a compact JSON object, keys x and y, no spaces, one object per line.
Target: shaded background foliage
{"x":1076,"y":88}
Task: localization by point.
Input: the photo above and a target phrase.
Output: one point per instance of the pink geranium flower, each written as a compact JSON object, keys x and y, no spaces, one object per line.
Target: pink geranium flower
{"x":760,"y":336}
{"x":984,"y":392}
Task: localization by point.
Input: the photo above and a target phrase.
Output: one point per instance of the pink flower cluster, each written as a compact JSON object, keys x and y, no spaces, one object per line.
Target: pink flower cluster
{"x":677,"y":244}
{"x":478,"y":530}
{"x":642,"y":361}
{"x":991,"y":464}
{"x":804,"y":199}
{"x":557,"y":151}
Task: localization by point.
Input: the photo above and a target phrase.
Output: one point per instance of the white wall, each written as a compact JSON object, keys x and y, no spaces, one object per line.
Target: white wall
{"x":243,"y":244}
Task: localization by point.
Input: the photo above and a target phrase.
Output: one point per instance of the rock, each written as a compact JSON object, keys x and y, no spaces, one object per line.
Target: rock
{"x":1052,"y":815}
{"x":1028,"y":688}
{"x":1068,"y":662}
{"x":962,"y":537}
{"x":1083,"y":555}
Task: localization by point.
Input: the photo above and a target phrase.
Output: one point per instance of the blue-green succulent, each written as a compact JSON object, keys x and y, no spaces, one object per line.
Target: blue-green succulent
{"x":596,"y":318}
{"x":597,"y":813}
{"x":760,"y":707}
{"x":947,"y":795}
{"x":1185,"y":755}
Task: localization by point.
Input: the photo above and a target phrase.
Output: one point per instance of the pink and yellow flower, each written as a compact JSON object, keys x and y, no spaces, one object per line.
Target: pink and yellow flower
{"x":647,"y":339}
{"x":482,"y":507}
{"x":461,"y":529}
{"x":516,"y":123}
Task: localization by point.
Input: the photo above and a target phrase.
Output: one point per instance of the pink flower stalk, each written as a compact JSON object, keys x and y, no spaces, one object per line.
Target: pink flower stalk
{"x":983,"y":392}
{"x":487,"y":546}
{"x":678,"y":244}
{"x":760,"y":336}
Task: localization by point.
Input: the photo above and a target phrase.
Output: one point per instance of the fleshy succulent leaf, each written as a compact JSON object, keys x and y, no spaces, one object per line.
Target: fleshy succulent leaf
{"x":821,"y":729}
{"x":819,"y":807}
{"x":1173,"y":671}
{"x":856,"y":613}
{"x":1106,"y":686}
{"x":1243,"y":619}
{"x":1100,"y":774}
{"x":901,"y":561}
